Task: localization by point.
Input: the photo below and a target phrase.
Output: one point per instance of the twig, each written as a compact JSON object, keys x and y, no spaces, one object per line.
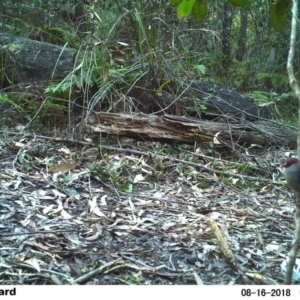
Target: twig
{"x":228,"y":254}
{"x":95,"y":272}
{"x":37,"y":232}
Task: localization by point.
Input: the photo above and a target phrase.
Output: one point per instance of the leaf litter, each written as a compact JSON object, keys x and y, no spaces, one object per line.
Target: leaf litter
{"x":188,"y":218}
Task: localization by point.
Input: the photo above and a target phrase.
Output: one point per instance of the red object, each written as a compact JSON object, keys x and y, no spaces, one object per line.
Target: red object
{"x":292,"y":173}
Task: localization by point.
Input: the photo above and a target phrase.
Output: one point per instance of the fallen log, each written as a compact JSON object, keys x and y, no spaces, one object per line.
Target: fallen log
{"x":168,"y":128}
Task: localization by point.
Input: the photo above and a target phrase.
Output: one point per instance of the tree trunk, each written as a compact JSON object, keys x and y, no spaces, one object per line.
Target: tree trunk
{"x":242,"y":38}
{"x":226,"y":33}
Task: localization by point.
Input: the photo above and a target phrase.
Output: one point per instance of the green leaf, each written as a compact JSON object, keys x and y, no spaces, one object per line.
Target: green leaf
{"x":21,"y":156}
{"x":199,"y":11}
{"x":277,"y":14}
{"x":241,"y":3}
{"x":197,"y":138}
{"x":185,"y":8}
{"x":200,"y":69}
{"x":68,"y":178}
{"x":174,"y":2}
{"x":4,"y":98}
{"x":70,"y":191}
{"x":128,"y":188}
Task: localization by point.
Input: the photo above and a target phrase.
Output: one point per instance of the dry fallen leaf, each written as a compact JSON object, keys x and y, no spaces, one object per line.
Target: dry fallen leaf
{"x":48,"y":209}
{"x":65,"y":215}
{"x":33,"y":262}
{"x":63,"y":168}
{"x":38,"y":245}
{"x":167,"y":225}
{"x":94,"y":237}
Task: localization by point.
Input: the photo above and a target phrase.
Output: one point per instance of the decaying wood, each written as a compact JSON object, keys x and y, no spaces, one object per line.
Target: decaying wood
{"x":149,"y":127}
{"x":168,"y":128}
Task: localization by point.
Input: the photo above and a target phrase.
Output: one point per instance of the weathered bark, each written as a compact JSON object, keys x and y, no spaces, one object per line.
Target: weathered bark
{"x":171,"y":128}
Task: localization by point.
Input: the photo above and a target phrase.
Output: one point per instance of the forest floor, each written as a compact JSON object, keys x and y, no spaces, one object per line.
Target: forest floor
{"x":73,"y":213}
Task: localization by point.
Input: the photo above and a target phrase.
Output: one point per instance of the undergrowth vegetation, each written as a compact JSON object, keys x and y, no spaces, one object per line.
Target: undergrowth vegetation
{"x":127,"y":54}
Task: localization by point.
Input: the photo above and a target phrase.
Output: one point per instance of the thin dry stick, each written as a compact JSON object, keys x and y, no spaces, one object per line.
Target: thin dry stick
{"x":228,"y":254}
{"x":95,"y":272}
